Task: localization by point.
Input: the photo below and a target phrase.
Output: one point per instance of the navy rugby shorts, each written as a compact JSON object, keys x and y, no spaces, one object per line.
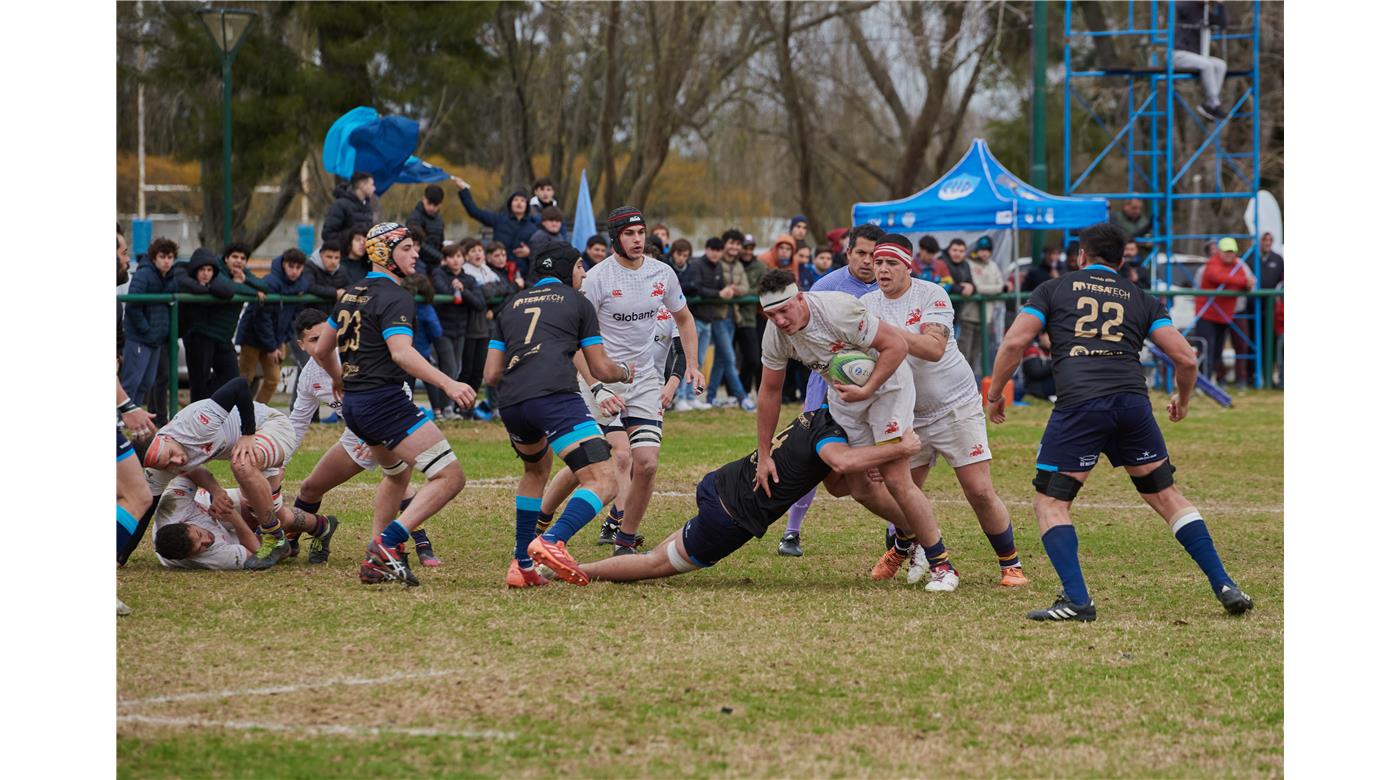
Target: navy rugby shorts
{"x":562,"y":418}
{"x":1119,"y":425}
{"x":124,"y":448}
{"x":384,"y":416}
{"x":712,"y":535}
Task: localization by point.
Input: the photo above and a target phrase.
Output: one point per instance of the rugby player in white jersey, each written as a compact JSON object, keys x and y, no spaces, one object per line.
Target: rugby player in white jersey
{"x":256,"y":439}
{"x":811,"y":328}
{"x":947,"y":405}
{"x":337,"y":465}
{"x":627,"y":289}
{"x":202,"y":529}
{"x":669,"y":358}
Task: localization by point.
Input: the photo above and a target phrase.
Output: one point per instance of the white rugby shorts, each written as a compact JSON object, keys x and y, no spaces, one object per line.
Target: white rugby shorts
{"x":959,"y":435}
{"x":881,"y":418}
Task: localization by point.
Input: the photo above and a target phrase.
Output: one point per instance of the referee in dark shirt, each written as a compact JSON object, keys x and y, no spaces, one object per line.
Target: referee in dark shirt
{"x":1097,"y":322}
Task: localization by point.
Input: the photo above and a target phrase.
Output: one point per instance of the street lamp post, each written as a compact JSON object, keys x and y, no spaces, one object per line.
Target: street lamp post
{"x":226,"y":28}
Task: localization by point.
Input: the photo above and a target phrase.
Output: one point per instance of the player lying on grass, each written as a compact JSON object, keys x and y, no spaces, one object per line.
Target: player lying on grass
{"x":202,"y":526}
{"x":669,"y":357}
{"x":530,"y":362}
{"x":341,"y":462}
{"x":734,"y":504}
{"x":813,"y":328}
{"x":373,"y":328}
{"x":1097,"y":321}
{"x":256,"y":439}
{"x":947,"y":405}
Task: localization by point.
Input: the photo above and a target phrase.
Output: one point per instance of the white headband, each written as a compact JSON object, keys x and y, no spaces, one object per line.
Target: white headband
{"x":773,"y":300}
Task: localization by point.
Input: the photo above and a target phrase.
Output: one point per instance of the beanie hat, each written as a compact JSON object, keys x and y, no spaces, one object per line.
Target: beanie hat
{"x":556,"y":259}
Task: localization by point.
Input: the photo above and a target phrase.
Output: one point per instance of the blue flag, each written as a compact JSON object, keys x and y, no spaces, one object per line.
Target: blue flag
{"x":415,"y":171}
{"x":584,"y":226}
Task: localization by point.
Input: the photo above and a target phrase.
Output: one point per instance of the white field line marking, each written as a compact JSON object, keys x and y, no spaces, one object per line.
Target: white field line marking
{"x":276,"y":689}
{"x":497,"y":483}
{"x":315,"y":729}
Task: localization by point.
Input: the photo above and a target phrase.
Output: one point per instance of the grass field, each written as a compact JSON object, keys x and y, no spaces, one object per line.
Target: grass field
{"x":761,"y":666}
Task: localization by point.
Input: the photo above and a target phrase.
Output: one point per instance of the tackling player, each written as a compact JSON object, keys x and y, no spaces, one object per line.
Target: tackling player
{"x":626,"y":290}
{"x":254,"y":437}
{"x":133,"y":499}
{"x":373,"y":324}
{"x":811,"y":450}
{"x":811,"y":328}
{"x":530,"y":362}
{"x":1097,"y":321}
{"x":947,"y":405}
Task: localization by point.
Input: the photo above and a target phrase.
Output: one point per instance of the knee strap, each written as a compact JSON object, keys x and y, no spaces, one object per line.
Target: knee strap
{"x":644,"y":435}
{"x":397,"y":468}
{"x":533,"y":457}
{"x":1056,"y":485}
{"x":1157,"y":480}
{"x":678,"y":561}
{"x":588,"y":452}
{"x":435,"y":459}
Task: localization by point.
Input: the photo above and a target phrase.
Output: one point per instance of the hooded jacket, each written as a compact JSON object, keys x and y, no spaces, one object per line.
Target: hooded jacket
{"x":1221,"y":275}
{"x":770,"y":258}
{"x":324,"y":283}
{"x":431,"y":225}
{"x":346,"y":212}
{"x":536,"y":206}
{"x":268,"y":326}
{"x":493,"y":287}
{"x":217,"y":321}
{"x":149,"y":323}
{"x":542,"y":238}
{"x":505,"y":228}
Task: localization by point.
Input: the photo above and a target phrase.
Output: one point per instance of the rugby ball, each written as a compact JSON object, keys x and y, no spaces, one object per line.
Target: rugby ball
{"x":851,"y":367}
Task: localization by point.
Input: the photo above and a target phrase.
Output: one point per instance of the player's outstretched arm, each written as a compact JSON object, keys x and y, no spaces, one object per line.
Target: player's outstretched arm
{"x":1183,"y":357}
{"x":845,"y":459}
{"x":770,"y":400}
{"x":323,"y":352}
{"x":402,"y":352}
{"x":1022,"y":332}
{"x":604,"y":368}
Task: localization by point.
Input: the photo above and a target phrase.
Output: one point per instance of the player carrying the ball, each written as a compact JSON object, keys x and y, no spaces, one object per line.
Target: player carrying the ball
{"x":372,"y":329}
{"x":815,"y":328}
{"x":947,"y":405}
{"x":1097,"y":321}
{"x":530,"y":362}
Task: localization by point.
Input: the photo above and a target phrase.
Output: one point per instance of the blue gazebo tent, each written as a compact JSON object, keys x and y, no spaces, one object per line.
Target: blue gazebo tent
{"x":980,"y":194}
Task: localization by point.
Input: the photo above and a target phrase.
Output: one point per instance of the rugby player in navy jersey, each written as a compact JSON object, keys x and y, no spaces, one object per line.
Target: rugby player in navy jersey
{"x":1097,"y":321}
{"x":530,"y":362}
{"x":731,"y":509}
{"x":372,"y":329}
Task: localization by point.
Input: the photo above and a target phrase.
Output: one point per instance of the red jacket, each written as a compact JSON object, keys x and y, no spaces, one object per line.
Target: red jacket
{"x":1220,"y":275}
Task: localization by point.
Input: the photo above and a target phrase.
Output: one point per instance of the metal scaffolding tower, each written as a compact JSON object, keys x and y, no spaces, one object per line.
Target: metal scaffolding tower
{"x":1161,"y":150}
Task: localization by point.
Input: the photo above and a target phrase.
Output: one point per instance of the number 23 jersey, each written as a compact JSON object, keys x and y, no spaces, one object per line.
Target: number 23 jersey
{"x":364,"y":319}
{"x":1097,"y":321}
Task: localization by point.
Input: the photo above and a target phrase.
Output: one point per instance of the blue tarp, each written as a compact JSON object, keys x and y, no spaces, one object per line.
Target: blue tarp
{"x":979,"y":193}
{"x":361,"y":140}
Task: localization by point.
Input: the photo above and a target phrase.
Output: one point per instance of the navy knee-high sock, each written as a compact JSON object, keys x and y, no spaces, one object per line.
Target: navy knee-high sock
{"x":582,"y":507}
{"x":1191,"y":531}
{"x":1062,"y":546}
{"x":526,"y":510}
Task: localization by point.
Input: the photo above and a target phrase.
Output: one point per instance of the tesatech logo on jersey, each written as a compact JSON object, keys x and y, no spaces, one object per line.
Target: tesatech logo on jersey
{"x":914,"y":317}
{"x":958,"y":187}
{"x":658,"y":289}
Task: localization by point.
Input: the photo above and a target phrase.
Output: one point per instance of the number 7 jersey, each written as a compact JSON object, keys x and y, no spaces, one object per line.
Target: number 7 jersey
{"x":1097,"y":321}
{"x":539,"y":329}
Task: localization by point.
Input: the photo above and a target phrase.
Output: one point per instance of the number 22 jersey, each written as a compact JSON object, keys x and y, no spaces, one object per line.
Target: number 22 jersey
{"x":1097,"y":321}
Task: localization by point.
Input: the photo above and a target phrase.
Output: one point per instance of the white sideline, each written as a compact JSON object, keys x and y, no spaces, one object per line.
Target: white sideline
{"x":276,"y":689}
{"x":497,"y":483}
{"x":315,"y":729}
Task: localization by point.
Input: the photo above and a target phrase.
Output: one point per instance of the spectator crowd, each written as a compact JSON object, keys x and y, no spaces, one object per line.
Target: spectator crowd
{"x":224,"y":339}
